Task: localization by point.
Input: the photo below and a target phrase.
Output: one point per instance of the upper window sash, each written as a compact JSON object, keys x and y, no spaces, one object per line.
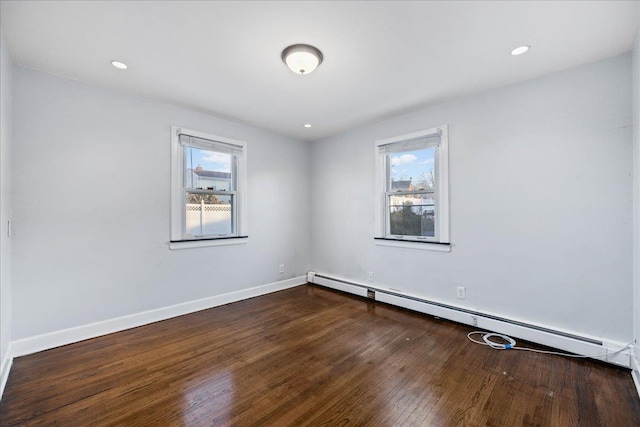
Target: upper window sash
{"x":189,"y":174}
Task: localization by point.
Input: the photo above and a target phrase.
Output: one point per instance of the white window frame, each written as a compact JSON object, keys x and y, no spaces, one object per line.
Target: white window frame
{"x":178,"y":200}
{"x":440,"y":241}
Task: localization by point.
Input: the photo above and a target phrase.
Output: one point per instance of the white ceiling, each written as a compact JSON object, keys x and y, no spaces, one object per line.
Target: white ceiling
{"x":381,"y":59}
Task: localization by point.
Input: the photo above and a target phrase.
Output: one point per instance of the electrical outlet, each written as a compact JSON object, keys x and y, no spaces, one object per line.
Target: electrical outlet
{"x":371,"y":294}
{"x":371,"y":276}
{"x":281,"y":270}
{"x":461,"y":292}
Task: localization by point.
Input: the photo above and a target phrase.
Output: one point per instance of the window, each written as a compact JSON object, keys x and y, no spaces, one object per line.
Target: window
{"x":412,"y":187}
{"x":208,"y":188}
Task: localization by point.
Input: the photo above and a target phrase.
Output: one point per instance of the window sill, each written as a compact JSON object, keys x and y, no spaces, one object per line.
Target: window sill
{"x":191,"y":244}
{"x":411,"y":244}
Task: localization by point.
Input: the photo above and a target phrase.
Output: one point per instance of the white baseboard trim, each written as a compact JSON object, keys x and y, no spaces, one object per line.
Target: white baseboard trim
{"x":635,"y":373}
{"x":571,"y":341}
{"x":50,"y":340}
{"x":7,"y":361}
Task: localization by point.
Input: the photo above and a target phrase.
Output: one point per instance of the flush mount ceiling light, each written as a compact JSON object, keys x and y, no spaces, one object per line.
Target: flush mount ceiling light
{"x":520,"y":50}
{"x":302,"y":58}
{"x":120,"y":65}
{"x":307,"y":125}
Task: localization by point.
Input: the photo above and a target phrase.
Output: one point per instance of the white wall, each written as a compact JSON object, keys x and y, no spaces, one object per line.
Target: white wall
{"x":91,"y":201}
{"x":5,"y":208}
{"x":541,"y":213}
{"x":636,"y":201}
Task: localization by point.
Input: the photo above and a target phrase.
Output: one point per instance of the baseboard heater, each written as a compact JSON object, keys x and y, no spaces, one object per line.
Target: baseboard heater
{"x":575,"y":343}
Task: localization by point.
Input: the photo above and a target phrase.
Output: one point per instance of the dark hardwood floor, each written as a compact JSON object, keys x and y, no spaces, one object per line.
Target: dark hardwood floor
{"x":309,"y":356}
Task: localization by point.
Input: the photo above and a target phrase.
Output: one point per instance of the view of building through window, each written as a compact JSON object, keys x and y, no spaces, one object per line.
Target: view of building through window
{"x":207,"y":173}
{"x":207,"y":170}
{"x":412,"y":179}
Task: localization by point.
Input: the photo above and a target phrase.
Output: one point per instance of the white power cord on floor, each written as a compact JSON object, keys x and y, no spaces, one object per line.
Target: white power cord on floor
{"x":510,"y":344}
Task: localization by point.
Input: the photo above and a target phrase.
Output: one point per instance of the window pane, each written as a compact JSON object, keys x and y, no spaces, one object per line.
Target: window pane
{"x":412,"y":215}
{"x":207,"y":170}
{"x":209,"y":214}
{"x":412,"y":170}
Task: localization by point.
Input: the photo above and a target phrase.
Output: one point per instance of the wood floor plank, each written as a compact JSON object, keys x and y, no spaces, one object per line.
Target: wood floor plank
{"x":309,"y":356}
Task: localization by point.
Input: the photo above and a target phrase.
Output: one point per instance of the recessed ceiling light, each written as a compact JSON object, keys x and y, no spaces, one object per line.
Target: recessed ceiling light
{"x":520,"y":50}
{"x":302,"y":58}
{"x":307,"y":125}
{"x":120,"y":65}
